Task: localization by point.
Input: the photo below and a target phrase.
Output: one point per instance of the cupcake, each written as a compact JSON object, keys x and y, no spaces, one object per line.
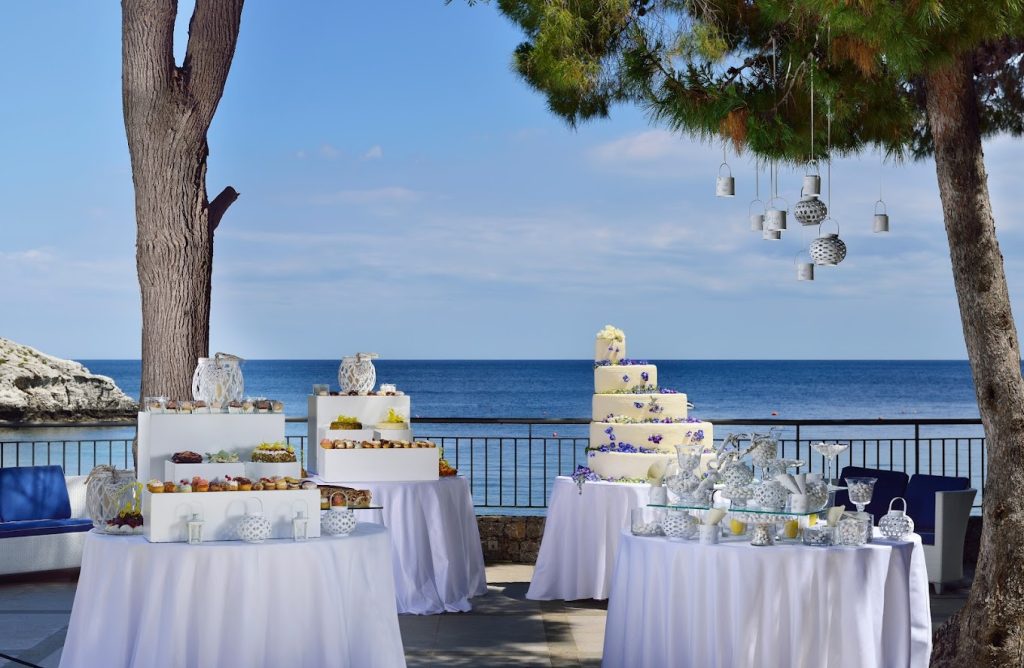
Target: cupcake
{"x":185,"y":407}
{"x":155,"y":486}
{"x":262,"y":405}
{"x":200,"y":407}
{"x":185,"y":487}
{"x":326,"y":444}
{"x":277,"y":406}
{"x":244,"y":484}
{"x":234,"y":407}
{"x":231,"y":485}
{"x":257,"y":487}
{"x":169,"y":486}
{"x":200,"y":485}
{"x":216,"y":406}
{"x":247,"y":406}
{"x":171,"y":406}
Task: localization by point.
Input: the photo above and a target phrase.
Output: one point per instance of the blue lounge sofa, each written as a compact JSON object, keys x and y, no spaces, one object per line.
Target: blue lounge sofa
{"x":42,"y":523}
{"x":940,"y":507}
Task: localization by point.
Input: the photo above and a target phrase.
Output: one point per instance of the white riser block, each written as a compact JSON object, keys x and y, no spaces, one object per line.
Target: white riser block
{"x":377,"y":464}
{"x":167,"y":515}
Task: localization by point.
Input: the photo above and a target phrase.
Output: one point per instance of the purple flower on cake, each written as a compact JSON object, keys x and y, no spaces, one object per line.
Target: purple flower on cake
{"x":654,"y":438}
{"x":625,"y":378}
{"x":654,"y":407}
{"x":646,"y":376}
{"x":665,"y":390}
{"x":638,"y":404}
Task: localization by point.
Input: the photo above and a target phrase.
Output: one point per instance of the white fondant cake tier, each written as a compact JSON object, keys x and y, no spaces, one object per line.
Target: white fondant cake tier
{"x":609,"y":350}
{"x":640,"y":406}
{"x":652,"y":435}
{"x":633,"y":465}
{"x":624,"y":377}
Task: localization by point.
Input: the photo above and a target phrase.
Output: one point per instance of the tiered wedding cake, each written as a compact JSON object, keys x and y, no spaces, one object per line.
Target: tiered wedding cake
{"x":636,"y":423}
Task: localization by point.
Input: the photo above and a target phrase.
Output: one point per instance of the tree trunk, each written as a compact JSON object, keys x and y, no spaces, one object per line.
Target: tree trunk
{"x":167,"y":113}
{"x":989,"y":630}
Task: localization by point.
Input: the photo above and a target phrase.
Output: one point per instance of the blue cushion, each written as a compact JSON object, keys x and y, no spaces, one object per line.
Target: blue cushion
{"x":921,"y":497}
{"x":43,"y":527}
{"x":33,"y":493}
{"x":890,"y":485}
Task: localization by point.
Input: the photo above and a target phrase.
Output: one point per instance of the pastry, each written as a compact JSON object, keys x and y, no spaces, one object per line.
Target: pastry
{"x":263,"y":405}
{"x":282,"y":483}
{"x":346,"y":422}
{"x":171,"y":406}
{"x":169,"y":486}
{"x":327,"y":444}
{"x":234,"y":406}
{"x":216,"y":406}
{"x":200,"y":407}
{"x":257,"y":487}
{"x":187,"y":457}
{"x":222,"y":457}
{"x":274,"y":453}
{"x":200,"y":485}
{"x":244,"y":484}
{"x":394,"y":420}
{"x":231,"y":485}
{"x":155,"y":486}
{"x":277,"y":406}
{"x":184,"y":487}
{"x":247,"y":406}
{"x":185,"y":407}
{"x":308,"y":484}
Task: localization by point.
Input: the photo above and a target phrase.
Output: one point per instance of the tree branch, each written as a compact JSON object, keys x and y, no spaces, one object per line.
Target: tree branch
{"x":219,"y":205}
{"x":212,"y":36}
{"x":147,"y":55}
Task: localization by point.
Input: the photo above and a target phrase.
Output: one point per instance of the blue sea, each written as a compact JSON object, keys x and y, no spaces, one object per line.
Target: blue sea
{"x":750,"y":390}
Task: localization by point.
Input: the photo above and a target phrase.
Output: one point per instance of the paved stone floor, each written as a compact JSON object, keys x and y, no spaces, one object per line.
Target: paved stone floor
{"x":503,"y":630}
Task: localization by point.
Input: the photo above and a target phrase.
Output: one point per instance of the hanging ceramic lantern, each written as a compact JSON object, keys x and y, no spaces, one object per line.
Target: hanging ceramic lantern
{"x":804,"y":270}
{"x":775,"y":218}
{"x":896,"y":524}
{"x":810,"y":210}
{"x":881,"y":219}
{"x":771,"y":235}
{"x":812,"y":179}
{"x":756,"y":217}
{"x":218,"y":379}
{"x":725,"y":185}
{"x":828,"y":249}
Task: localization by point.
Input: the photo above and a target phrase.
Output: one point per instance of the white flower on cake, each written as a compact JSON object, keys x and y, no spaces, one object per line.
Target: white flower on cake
{"x":611,"y":333}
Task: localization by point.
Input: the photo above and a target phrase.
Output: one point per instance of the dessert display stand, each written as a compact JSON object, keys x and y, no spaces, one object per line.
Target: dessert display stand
{"x":163,"y":434}
{"x":734,"y":604}
{"x":581,"y":536}
{"x":369,"y":410}
{"x":323,"y":602}
{"x":167,"y":515}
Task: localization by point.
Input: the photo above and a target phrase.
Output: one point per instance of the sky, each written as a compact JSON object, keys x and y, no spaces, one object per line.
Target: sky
{"x":403,"y":191}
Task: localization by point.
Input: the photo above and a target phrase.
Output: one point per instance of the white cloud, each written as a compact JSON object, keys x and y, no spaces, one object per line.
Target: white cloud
{"x":375,"y":152}
{"x":301,"y":155}
{"x":329,"y":151}
{"x":388,"y":195}
{"x":656,"y":154}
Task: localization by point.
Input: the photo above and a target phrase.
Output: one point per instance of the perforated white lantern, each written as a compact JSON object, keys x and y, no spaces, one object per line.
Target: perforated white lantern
{"x":218,"y":379}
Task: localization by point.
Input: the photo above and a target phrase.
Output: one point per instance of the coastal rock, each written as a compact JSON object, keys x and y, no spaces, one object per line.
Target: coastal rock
{"x":38,"y":387}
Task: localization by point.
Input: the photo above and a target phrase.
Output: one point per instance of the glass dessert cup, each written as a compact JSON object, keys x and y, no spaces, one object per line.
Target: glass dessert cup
{"x":830,"y":451}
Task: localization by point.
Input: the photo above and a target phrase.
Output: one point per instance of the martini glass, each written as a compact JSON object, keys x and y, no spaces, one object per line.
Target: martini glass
{"x":830,"y":451}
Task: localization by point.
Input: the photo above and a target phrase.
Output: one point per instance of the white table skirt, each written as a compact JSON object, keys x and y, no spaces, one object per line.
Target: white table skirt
{"x":581,"y":536}
{"x":322,"y":602}
{"x":734,"y":605}
{"x":435,"y":541}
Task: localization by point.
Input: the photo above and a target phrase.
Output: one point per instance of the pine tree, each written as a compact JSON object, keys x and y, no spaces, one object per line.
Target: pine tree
{"x":922,"y":78}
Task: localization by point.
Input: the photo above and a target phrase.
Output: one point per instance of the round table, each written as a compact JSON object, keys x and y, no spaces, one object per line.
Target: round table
{"x":581,"y":535}
{"x":435,"y":542}
{"x":736,"y":605}
{"x":322,"y":602}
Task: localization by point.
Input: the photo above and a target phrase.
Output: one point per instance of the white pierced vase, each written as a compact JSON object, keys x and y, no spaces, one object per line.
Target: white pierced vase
{"x":679,"y":524}
{"x":254,"y":527}
{"x":218,"y":378}
{"x":357,"y":373}
{"x":338,"y":521}
{"x":896,"y":524}
{"x":770,"y":495}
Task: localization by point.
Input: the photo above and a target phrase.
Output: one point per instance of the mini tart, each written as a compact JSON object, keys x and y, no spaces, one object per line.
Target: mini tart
{"x":336,"y":426}
{"x":155,"y":486}
{"x":184,"y":488}
{"x":282,"y":484}
{"x":169,"y":486}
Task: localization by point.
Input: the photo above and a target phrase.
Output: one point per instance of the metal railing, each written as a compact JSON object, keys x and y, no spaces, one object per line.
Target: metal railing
{"x":511,"y":462}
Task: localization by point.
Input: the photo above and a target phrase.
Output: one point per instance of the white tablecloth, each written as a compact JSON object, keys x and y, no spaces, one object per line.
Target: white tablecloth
{"x":734,"y":605}
{"x":435,"y":541}
{"x":322,"y":602}
{"x":581,"y":536}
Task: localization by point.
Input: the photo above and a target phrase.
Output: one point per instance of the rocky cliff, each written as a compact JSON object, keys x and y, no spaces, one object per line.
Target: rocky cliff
{"x":37,"y":387}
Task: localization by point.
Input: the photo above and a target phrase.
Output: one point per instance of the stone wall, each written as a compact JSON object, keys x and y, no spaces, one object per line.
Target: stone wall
{"x":510,"y":538}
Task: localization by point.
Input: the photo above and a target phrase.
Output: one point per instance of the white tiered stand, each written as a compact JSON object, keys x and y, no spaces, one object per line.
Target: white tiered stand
{"x":438,"y":559}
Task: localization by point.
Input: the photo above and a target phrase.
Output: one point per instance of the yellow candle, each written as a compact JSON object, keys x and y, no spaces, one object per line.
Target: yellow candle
{"x":791,"y":529}
{"x":736,"y":527}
